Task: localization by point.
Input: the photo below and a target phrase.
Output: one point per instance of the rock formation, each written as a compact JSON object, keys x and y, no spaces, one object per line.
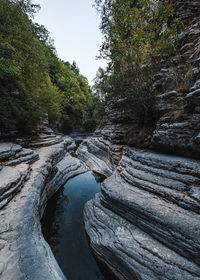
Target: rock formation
{"x":27,"y":180}
{"x":145,"y":223}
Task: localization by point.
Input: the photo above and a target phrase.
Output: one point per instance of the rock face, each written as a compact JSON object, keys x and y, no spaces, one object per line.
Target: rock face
{"x":24,"y":191}
{"x":145,"y":223}
{"x":96,"y":153}
{"x":174,"y":126}
{"x":8,"y":150}
{"x":178,"y":129}
{"x":178,"y":111}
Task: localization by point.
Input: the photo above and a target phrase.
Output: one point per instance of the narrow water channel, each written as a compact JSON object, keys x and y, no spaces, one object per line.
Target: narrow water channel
{"x":63,"y":228}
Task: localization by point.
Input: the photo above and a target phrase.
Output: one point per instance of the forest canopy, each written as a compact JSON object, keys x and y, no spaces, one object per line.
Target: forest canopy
{"x":34,"y":82}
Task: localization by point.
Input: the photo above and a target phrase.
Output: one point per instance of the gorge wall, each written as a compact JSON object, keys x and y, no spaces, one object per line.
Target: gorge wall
{"x":145,"y":223}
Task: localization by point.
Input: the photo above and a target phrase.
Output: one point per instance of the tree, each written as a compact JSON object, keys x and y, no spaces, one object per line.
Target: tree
{"x":34,"y":82}
{"x":23,"y":67}
{"x":138,"y":35}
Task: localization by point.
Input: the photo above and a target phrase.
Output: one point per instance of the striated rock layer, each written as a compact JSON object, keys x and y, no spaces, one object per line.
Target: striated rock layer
{"x":24,"y":191}
{"x":145,"y":223}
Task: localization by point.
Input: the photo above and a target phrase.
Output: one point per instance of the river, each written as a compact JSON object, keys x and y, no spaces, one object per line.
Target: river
{"x":63,"y":229}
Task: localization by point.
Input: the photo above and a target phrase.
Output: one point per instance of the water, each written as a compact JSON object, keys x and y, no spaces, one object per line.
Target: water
{"x":63,"y":229}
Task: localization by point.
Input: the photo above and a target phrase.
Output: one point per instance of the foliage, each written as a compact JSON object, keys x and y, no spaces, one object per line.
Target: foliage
{"x":79,"y":104}
{"x":33,"y":80}
{"x":138,"y":36}
{"x":23,"y":69}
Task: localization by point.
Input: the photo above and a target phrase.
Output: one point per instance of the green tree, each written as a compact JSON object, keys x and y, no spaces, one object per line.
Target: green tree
{"x":33,"y":80}
{"x":138,"y":36}
{"x":23,"y":67}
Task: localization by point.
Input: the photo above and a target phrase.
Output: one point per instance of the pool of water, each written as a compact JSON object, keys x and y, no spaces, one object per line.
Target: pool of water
{"x":63,"y":228}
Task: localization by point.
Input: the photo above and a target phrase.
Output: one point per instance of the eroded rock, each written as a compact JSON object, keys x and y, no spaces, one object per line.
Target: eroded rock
{"x":145,"y":223}
{"x":24,"y":254}
{"x":8,"y":149}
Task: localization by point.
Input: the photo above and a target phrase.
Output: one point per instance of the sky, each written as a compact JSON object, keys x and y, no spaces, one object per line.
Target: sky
{"x":74,"y":26}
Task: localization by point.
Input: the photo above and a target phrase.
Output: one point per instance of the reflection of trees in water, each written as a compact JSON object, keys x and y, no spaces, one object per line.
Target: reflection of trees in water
{"x":56,"y":206}
{"x":63,"y":228}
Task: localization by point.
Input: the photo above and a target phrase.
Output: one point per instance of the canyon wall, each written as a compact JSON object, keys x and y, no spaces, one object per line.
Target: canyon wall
{"x":145,"y":223}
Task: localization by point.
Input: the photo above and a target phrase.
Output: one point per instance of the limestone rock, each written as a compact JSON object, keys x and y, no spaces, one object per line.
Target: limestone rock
{"x":164,"y":81}
{"x":178,"y":126}
{"x":169,"y":101}
{"x":25,"y":155}
{"x":193,"y":99}
{"x":69,"y":144}
{"x":96,"y":153}
{"x":195,"y":86}
{"x":24,"y":254}
{"x":145,"y":223}
{"x":8,"y":149}
{"x":45,"y":142}
{"x":12,"y":180}
{"x":67,"y":168}
{"x":132,"y":253}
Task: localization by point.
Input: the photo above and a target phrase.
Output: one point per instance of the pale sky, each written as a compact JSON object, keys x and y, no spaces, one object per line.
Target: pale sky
{"x":74,"y":26}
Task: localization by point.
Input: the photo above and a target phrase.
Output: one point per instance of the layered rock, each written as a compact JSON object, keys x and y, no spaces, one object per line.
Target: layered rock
{"x":178,"y":111}
{"x":132,"y":253}
{"x":8,"y":150}
{"x":178,"y":128}
{"x":173,"y":125}
{"x":24,"y":191}
{"x":11,"y":182}
{"x":145,"y":223}
{"x":186,"y":9}
{"x":100,"y":155}
{"x":46,"y":140}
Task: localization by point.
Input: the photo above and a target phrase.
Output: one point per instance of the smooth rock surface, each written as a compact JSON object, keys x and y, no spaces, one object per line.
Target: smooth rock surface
{"x":96,"y":153}
{"x":24,"y":254}
{"x":146,"y":221}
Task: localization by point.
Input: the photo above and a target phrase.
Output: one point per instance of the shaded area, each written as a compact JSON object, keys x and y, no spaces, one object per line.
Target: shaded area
{"x":63,"y":229}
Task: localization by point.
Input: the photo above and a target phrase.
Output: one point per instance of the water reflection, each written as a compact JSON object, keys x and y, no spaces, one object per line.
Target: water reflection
{"x":51,"y":225}
{"x":63,"y":228}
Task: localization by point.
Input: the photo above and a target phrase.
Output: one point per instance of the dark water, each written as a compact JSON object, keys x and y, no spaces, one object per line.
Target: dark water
{"x":63,"y":228}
